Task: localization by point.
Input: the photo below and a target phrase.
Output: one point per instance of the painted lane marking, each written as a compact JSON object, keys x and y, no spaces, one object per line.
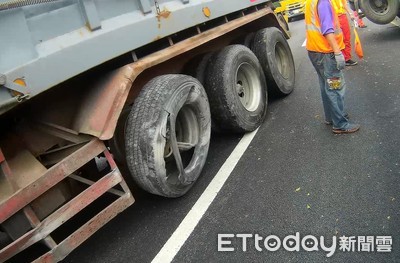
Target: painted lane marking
{"x":396,"y":21}
{"x":188,"y":224}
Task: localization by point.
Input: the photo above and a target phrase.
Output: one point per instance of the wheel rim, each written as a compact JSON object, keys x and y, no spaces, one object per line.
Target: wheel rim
{"x":187,"y":132}
{"x":380,"y":6}
{"x":248,"y":86}
{"x":282,"y":60}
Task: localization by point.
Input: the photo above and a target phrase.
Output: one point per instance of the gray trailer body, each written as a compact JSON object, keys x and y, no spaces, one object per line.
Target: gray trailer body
{"x":46,"y":44}
{"x":112,"y":69}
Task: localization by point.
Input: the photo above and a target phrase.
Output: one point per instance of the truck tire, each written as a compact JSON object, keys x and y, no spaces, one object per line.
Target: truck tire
{"x":275,"y":56}
{"x":168,"y":106}
{"x":197,"y":69}
{"x":117,"y":142}
{"x":380,"y":11}
{"x":249,"y":39}
{"x":236,"y":88}
{"x":197,"y":66}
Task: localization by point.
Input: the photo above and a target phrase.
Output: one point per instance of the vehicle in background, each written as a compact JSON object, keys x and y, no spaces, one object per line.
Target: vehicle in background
{"x":377,"y":11}
{"x":281,"y":12}
{"x":294,"y":8}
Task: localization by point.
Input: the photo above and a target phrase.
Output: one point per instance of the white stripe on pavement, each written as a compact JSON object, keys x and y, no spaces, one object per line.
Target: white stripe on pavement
{"x":186,"y":227}
{"x":396,"y":21}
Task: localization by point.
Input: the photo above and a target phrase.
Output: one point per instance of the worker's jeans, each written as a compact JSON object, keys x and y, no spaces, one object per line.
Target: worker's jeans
{"x":333,"y":86}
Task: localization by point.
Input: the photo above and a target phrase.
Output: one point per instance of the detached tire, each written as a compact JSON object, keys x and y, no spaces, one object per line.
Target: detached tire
{"x":380,"y":11}
{"x":236,"y":88}
{"x":275,"y":56}
{"x":168,"y":103}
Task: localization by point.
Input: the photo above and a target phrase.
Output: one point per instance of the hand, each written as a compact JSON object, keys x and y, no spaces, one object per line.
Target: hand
{"x":340,"y":61}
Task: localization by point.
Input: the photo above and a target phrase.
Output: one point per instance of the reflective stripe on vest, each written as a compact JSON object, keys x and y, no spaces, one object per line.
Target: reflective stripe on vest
{"x":315,"y":40}
{"x":314,"y":28}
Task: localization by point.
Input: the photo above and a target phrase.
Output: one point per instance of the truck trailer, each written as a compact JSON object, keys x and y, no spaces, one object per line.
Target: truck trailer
{"x":90,"y":86}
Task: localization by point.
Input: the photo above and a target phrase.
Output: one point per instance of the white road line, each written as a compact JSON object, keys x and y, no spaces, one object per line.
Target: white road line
{"x":188,"y":224}
{"x":396,"y":21}
{"x":304,"y":43}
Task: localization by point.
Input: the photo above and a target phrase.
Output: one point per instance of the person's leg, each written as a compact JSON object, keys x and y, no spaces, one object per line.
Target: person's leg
{"x":360,"y":22}
{"x":325,"y":99}
{"x":344,"y":25}
{"x":336,"y":97}
{"x":335,"y":88}
{"x":317,"y":61}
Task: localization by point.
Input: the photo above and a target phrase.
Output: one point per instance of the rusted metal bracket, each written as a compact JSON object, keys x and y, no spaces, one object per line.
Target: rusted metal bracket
{"x":53,"y":176}
{"x":41,"y":230}
{"x":35,"y":222}
{"x":90,"y":182}
{"x":27,"y":210}
{"x":63,"y":214}
{"x":84,"y":232}
{"x":62,"y":132}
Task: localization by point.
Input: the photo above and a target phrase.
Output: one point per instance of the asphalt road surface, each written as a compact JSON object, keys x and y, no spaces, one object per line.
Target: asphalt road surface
{"x":296,"y":176}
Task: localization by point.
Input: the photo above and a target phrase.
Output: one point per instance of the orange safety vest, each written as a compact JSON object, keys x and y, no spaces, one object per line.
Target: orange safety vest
{"x":315,"y":40}
{"x":339,"y":6}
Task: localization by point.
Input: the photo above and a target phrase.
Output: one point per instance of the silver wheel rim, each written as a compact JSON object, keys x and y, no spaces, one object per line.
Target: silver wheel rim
{"x":248,"y":86}
{"x":282,"y":60}
{"x":187,"y":131}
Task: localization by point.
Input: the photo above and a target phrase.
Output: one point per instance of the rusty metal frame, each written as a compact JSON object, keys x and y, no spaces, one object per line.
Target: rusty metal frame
{"x":54,"y":175}
{"x":41,"y":230}
{"x":84,"y":232}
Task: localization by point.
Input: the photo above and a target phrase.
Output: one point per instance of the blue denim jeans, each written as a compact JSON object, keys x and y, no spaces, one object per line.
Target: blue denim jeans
{"x":333,"y":87}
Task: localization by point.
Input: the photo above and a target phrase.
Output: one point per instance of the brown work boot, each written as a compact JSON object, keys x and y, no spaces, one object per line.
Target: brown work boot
{"x":350,"y":129}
